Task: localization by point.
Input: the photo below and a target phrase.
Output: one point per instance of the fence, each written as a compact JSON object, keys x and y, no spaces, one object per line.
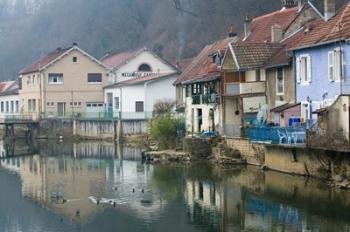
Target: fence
{"x":278,"y":135}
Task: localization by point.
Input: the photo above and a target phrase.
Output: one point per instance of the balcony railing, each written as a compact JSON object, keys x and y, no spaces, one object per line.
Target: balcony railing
{"x":245,"y":88}
{"x":210,"y":98}
{"x":196,"y":99}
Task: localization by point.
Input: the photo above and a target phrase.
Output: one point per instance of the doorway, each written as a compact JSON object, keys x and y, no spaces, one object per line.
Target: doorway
{"x":200,"y":119}
{"x":61,"y":109}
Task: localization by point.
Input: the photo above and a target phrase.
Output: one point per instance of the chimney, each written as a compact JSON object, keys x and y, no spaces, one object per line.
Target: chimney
{"x":232,"y":33}
{"x":276,"y":33}
{"x":329,"y":9}
{"x":288,"y":3}
{"x":247,"y":21}
{"x":75,"y":44}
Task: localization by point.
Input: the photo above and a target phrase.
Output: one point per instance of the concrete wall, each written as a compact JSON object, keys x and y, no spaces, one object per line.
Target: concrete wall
{"x":95,"y":129}
{"x":90,"y":129}
{"x":294,"y":160}
{"x":134,"y":127}
{"x":253,"y":153}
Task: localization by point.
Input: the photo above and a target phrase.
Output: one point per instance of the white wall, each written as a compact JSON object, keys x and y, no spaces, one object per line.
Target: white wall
{"x":157,"y":65}
{"x":160,"y":90}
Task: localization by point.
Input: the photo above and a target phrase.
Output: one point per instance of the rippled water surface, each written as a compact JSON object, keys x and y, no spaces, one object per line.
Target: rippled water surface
{"x":106,"y":187}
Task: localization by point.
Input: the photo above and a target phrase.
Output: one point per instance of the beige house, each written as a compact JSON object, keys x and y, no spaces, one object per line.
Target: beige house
{"x":65,"y":82}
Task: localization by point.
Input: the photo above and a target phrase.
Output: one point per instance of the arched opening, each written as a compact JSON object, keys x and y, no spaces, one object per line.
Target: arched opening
{"x":144,"y":68}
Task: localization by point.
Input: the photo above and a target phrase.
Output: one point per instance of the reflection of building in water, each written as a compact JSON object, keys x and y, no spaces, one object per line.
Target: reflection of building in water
{"x":18,"y":148}
{"x":75,"y":178}
{"x":216,"y":203}
{"x":72,"y":179}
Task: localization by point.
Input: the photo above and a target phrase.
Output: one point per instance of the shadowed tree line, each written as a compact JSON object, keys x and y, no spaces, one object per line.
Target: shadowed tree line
{"x":173,"y":28}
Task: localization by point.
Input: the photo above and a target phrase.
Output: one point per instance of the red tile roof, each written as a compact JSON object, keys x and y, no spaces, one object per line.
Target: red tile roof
{"x":337,"y":28}
{"x":8,"y":87}
{"x":117,"y":59}
{"x":202,"y":67}
{"x":183,"y":63}
{"x":260,"y":27}
{"x":284,"y":56}
{"x":35,"y":67}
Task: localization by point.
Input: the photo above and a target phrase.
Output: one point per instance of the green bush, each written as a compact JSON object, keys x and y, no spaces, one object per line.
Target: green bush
{"x":164,"y":131}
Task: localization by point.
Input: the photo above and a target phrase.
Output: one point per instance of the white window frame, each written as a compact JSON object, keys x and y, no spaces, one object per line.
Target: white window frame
{"x":59,"y":82}
{"x":277,"y":82}
{"x":304,"y":77}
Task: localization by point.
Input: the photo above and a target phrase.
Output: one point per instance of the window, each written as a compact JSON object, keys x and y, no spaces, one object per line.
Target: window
{"x":7,"y":107}
{"x":117,"y":103}
{"x":258,"y":75}
{"x":12,"y":109}
{"x":304,"y":69}
{"x":217,"y":59}
{"x":196,"y":89}
{"x":94,"y":78}
{"x":280,"y":81}
{"x":17,"y":106}
{"x":2,"y":107}
{"x":139,"y":106}
{"x":55,"y":78}
{"x":144,"y":68}
{"x":75,"y":59}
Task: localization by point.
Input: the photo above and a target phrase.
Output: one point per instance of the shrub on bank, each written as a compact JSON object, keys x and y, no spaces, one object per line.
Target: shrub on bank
{"x":164,"y":131}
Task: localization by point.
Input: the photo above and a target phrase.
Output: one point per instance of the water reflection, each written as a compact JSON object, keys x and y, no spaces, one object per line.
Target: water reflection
{"x":62,"y":178}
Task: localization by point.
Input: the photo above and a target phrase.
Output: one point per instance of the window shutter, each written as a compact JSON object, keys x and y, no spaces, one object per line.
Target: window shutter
{"x":331,"y":66}
{"x":309,"y":69}
{"x":297,"y":69}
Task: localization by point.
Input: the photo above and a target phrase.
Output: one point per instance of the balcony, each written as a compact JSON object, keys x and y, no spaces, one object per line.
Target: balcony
{"x":245,"y":88}
{"x":196,"y":99}
{"x":210,"y":98}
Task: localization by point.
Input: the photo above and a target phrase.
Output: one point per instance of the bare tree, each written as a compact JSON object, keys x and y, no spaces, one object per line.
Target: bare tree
{"x":163,"y":107}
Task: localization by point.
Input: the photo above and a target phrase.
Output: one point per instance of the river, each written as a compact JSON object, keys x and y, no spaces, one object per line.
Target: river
{"x":61,"y":186}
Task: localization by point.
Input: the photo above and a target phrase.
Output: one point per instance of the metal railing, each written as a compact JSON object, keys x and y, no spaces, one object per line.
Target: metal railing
{"x":278,"y":135}
{"x":210,"y":98}
{"x":196,"y":99}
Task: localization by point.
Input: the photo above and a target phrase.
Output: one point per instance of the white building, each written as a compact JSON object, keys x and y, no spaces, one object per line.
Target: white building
{"x":140,"y":79}
{"x":9,"y":99}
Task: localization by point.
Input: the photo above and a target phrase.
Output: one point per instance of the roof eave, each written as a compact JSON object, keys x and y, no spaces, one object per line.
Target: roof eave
{"x":318,"y":44}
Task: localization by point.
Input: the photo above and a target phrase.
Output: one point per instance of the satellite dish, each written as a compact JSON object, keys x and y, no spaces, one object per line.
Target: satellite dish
{"x":263,"y":115}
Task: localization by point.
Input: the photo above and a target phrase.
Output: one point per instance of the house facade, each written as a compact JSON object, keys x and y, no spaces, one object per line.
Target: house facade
{"x":9,"y":99}
{"x":322,"y":71}
{"x":258,"y":70}
{"x":66,"y":82}
{"x":244,"y":84}
{"x":140,"y":79}
{"x":199,"y":89}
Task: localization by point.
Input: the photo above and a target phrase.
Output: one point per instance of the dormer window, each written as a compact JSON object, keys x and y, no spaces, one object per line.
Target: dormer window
{"x":217,"y":59}
{"x":144,"y":68}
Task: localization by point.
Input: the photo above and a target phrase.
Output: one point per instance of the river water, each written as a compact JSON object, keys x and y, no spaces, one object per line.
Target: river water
{"x":101,"y":187}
